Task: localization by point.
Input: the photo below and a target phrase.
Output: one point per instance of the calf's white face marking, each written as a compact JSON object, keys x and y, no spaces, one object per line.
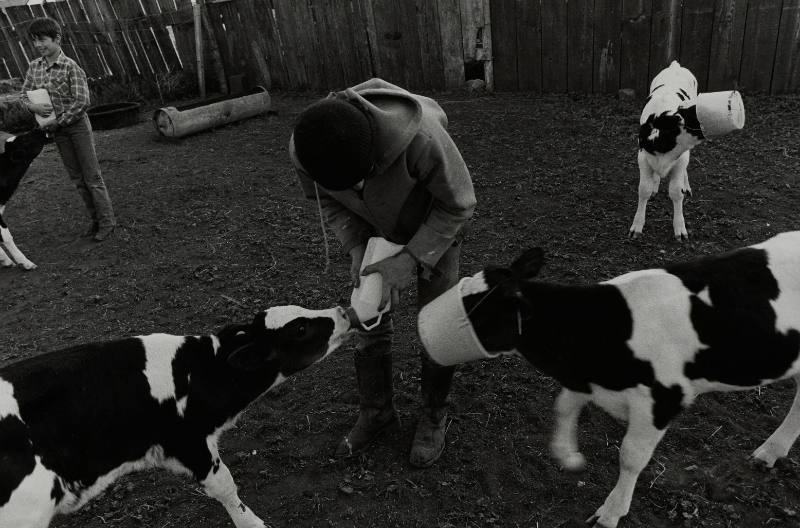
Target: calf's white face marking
{"x":8,"y":404}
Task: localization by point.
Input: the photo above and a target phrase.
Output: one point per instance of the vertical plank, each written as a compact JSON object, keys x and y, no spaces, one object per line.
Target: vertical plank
{"x":271,"y":45}
{"x":634,"y":45}
{"x":20,"y":17}
{"x":114,"y":51}
{"x":726,"y":44}
{"x":607,"y":15}
{"x":665,"y":35}
{"x":758,"y":51}
{"x":452,"y":44}
{"x":430,"y":48}
{"x":183,"y":32}
{"x":410,"y":58}
{"x":389,"y":35}
{"x":554,"y":47}
{"x":296,"y":25}
{"x":504,"y":45}
{"x":157,"y":23}
{"x":529,"y":45}
{"x":698,"y":18}
{"x":786,"y":73}
{"x":580,"y":45}
{"x":15,"y":59}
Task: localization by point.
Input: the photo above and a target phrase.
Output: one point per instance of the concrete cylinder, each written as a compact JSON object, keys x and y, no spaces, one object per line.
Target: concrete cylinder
{"x":171,"y":122}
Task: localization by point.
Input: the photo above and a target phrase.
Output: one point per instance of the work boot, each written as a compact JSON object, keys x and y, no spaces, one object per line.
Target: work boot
{"x":376,"y":410}
{"x":429,"y":439}
{"x":103,"y":233}
{"x":91,"y":229}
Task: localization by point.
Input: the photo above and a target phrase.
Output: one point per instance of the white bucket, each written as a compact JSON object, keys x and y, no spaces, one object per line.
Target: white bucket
{"x":720,"y":112}
{"x":446,"y":332}
{"x":41,"y":96}
{"x":366,"y":298}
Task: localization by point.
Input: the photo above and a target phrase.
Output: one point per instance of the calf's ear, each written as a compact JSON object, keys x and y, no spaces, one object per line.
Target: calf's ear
{"x":250,"y":356}
{"x":528,"y":264}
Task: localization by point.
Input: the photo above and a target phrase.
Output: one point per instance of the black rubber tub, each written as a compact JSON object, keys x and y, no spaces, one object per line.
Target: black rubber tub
{"x":115,"y":115}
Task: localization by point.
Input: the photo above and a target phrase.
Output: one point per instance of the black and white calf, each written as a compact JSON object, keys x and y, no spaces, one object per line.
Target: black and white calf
{"x":73,"y":421}
{"x":645,"y":344}
{"x":16,"y":155}
{"x":668,"y":129}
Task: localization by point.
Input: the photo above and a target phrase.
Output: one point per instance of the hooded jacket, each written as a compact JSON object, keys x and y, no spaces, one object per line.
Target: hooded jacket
{"x":420,"y":193}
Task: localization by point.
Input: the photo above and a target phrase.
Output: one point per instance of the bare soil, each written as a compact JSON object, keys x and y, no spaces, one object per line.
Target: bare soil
{"x":213,"y":228}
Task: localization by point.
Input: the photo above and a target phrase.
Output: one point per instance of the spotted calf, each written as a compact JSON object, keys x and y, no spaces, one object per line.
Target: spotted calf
{"x":668,"y":129}
{"x":73,"y":421}
{"x":645,"y":344}
{"x":16,"y":155}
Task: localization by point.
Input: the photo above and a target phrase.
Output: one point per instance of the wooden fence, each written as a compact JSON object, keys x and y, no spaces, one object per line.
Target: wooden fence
{"x":538,"y":45}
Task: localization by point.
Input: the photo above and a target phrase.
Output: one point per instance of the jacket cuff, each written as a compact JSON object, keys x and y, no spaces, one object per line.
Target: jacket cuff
{"x":427,"y":246}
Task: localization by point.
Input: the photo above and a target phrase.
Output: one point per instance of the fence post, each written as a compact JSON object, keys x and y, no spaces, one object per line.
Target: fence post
{"x":198,"y":42}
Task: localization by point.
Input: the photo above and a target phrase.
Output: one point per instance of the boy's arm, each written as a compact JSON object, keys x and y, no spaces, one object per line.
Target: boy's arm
{"x":27,"y":84}
{"x":437,"y":163}
{"x":79,"y":89}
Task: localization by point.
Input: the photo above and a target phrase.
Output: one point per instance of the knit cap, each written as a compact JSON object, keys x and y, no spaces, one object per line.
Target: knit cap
{"x":333,"y":141}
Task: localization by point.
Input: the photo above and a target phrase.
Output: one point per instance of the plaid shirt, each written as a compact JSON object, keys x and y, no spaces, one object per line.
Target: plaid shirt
{"x":66,"y":83}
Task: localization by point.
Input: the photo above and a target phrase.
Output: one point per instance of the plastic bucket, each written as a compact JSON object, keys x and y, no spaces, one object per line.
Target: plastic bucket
{"x":446,"y":332}
{"x":720,"y":112}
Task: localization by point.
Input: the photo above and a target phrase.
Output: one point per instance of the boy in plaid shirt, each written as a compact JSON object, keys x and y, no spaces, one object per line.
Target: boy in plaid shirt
{"x":66,"y":83}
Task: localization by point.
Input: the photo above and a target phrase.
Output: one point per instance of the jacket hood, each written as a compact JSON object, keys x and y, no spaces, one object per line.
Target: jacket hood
{"x":396,"y":116}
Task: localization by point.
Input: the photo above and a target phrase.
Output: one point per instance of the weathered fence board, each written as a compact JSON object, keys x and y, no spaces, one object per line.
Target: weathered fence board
{"x":529,"y":45}
{"x":758,"y":51}
{"x":634,"y":58}
{"x":665,"y":36}
{"x":580,"y":48}
{"x":504,"y":44}
{"x":698,"y":16}
{"x":726,"y":44}
{"x":786,"y":75}
{"x":452,"y":46}
{"x":607,"y":45}
{"x":554,"y":54}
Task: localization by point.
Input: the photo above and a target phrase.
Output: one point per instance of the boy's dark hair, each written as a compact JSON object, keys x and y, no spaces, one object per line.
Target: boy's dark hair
{"x":333,"y":140}
{"x":44,"y":27}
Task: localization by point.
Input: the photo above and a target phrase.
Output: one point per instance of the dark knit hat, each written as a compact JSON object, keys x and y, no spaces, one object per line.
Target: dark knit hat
{"x":333,"y":141}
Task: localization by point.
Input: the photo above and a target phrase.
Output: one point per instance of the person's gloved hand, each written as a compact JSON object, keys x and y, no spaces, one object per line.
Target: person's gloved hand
{"x":356,"y":255}
{"x":397,"y":273}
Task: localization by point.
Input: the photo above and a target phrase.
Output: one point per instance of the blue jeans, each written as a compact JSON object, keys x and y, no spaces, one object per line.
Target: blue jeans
{"x":436,"y":379}
{"x":75,"y":144}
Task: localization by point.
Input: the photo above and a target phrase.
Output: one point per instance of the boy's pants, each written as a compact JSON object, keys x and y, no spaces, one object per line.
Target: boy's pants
{"x":75,"y":144}
{"x":436,"y":379}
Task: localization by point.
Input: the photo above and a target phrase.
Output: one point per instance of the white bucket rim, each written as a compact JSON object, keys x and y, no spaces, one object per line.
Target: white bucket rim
{"x":457,"y":322}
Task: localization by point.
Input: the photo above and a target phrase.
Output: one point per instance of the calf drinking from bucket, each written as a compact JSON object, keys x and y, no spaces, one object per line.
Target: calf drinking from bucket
{"x":643,"y":345}
{"x":73,"y":421}
{"x":16,"y":154}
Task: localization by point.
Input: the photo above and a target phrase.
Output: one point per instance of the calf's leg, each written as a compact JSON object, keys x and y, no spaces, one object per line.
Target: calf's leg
{"x":215,"y":477}
{"x":778,"y":444}
{"x":648,"y":186}
{"x":678,"y":188}
{"x":637,"y":448}
{"x":564,"y":446}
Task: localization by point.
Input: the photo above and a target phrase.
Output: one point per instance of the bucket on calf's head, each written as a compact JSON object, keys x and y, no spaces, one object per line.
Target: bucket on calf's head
{"x":720,"y":112}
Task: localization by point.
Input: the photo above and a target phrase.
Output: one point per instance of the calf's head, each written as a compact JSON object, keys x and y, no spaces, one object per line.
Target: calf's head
{"x":495,"y":303}
{"x":671,"y":131}
{"x":22,"y":149}
{"x":283,"y":340}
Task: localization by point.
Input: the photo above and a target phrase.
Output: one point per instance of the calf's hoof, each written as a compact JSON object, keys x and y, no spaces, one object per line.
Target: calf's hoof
{"x":27,"y":266}
{"x":634,"y":234}
{"x":573,"y":462}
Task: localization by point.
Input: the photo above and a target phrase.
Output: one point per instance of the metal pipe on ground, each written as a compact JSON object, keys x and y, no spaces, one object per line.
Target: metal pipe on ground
{"x":175,"y":123}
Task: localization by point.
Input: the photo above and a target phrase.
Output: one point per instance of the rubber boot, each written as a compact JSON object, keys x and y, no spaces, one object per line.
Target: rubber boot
{"x":429,"y":439}
{"x":376,"y":410}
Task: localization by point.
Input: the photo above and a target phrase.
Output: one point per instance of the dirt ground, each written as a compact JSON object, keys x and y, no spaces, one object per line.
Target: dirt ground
{"x":213,"y":228}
